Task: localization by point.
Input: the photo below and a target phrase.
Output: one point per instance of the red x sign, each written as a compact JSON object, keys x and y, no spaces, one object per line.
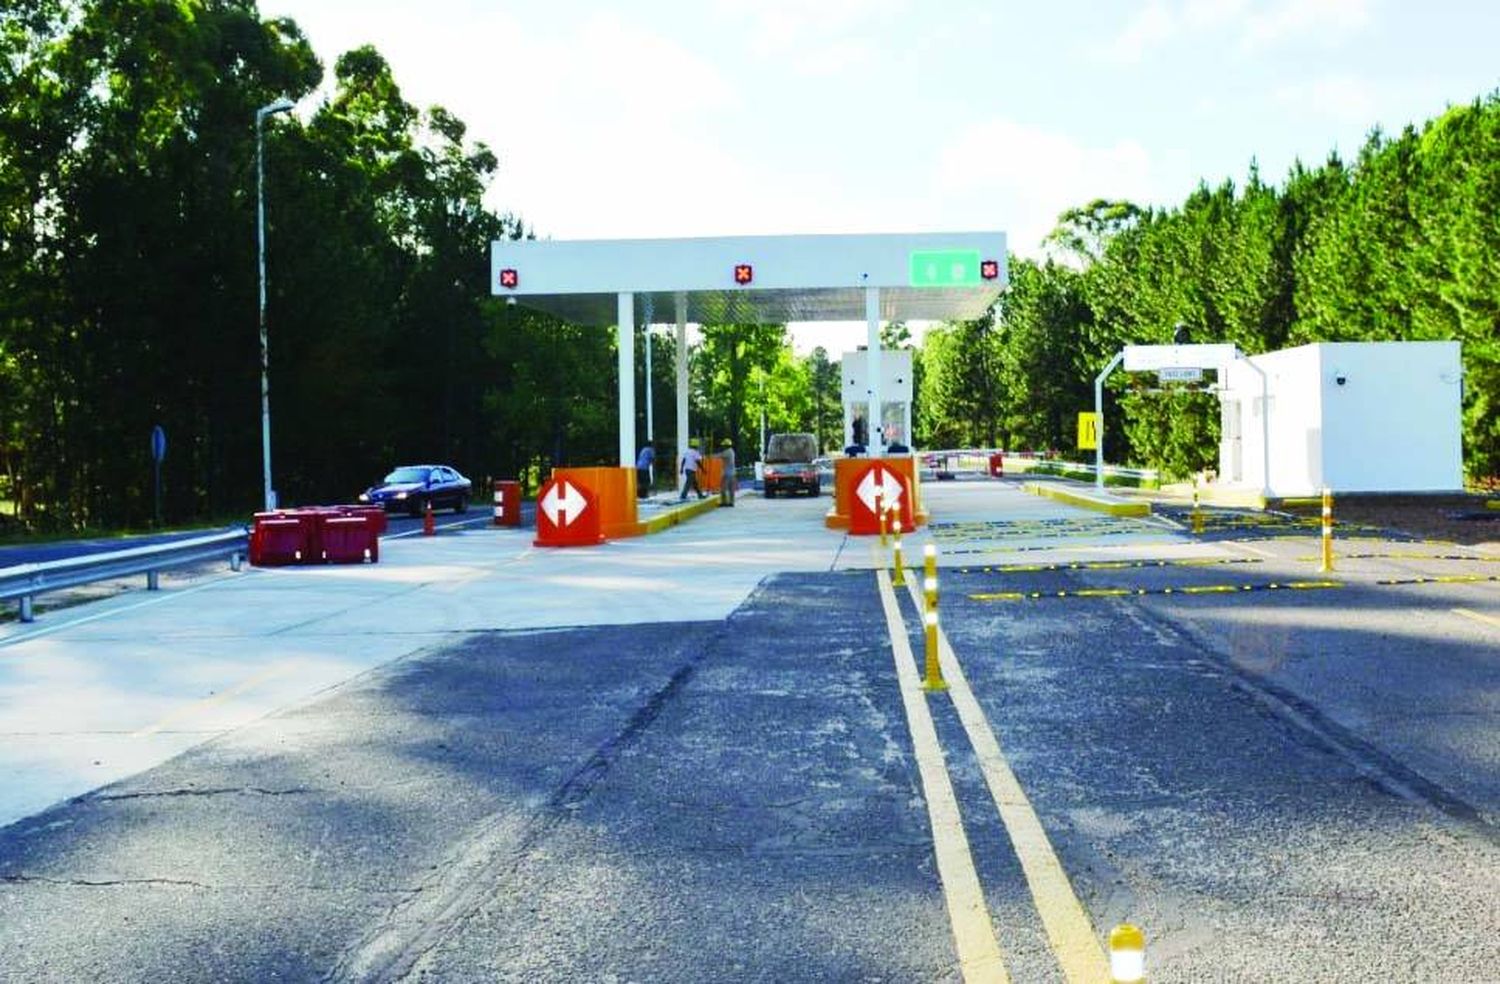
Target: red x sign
{"x":743,"y":273}
{"x":989,"y":269}
{"x":509,"y":278}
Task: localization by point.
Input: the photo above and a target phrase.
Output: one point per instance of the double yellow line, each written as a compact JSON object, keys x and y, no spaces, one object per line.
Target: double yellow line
{"x":1071,"y":935}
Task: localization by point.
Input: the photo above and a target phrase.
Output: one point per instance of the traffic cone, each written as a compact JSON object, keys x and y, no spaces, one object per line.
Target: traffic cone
{"x":429,"y":524}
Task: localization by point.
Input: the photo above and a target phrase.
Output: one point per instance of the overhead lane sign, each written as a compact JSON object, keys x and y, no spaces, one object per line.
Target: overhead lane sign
{"x":1148,"y":358}
{"x":945,"y":268}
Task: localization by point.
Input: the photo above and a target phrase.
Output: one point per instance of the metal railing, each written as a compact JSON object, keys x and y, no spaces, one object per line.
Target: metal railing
{"x":26,"y":581}
{"x":976,"y":461}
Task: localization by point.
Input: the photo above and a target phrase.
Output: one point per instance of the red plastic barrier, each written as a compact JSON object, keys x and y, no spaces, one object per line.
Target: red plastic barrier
{"x":277,"y":540}
{"x":348,"y":539}
{"x":374,"y":515}
{"x":316,"y":535}
{"x":507,"y":503}
{"x":997,"y":465}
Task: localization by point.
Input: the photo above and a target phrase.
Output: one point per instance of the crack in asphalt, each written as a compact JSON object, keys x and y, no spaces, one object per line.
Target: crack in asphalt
{"x":393,"y":947}
{"x":216,"y":791}
{"x":1368,"y":762}
{"x":104,"y":883}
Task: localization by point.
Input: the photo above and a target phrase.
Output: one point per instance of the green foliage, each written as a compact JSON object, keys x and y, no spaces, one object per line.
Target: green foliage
{"x":128,"y":276}
{"x":958,"y":393}
{"x":1401,"y":245}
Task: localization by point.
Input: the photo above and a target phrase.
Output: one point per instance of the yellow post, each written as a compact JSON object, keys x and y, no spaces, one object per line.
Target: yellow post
{"x":882,"y":515}
{"x":1197,"y":513}
{"x":898,"y":576}
{"x":933,"y":679}
{"x":1127,"y":955}
{"x":1327,"y":565}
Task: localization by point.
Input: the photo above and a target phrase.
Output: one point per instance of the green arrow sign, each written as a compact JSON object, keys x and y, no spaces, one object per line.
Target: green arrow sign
{"x":945,"y":268}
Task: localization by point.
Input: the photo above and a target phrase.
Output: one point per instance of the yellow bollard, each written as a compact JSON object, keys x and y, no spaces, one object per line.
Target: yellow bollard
{"x":933,"y":680}
{"x":898,"y":576}
{"x":883,"y":515}
{"x":1197,"y":513}
{"x":1127,"y":955}
{"x":1327,"y":566}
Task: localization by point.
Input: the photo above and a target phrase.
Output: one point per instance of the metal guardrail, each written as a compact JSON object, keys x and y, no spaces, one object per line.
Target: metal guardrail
{"x":977,"y":460}
{"x":1145,"y":474}
{"x":26,"y":581}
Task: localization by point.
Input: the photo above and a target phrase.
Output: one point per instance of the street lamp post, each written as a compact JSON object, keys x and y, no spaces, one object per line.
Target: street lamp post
{"x":281,"y":105}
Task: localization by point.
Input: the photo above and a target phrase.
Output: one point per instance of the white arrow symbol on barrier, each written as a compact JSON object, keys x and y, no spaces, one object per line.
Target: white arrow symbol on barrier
{"x":569,"y":501}
{"x":882,"y":483}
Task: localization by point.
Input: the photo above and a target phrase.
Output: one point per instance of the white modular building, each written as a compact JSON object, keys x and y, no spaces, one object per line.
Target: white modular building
{"x":1348,"y":416}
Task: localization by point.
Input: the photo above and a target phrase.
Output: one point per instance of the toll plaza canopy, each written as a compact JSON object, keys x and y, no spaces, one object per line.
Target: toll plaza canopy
{"x":750,"y":280}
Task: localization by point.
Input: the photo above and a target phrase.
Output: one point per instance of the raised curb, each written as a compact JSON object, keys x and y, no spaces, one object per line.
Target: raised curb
{"x":680,"y":514}
{"x":1106,"y":504}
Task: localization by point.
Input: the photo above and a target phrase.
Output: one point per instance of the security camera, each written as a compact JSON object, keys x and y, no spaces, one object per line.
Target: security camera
{"x":511,"y":302}
{"x":1341,"y":379}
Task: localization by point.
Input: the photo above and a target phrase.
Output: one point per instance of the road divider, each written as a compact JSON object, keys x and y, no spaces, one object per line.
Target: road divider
{"x":933,"y":680}
{"x":1127,"y":955}
{"x":1471,"y":558}
{"x":1442,"y":579}
{"x":1195,"y":589}
{"x":1108,"y":565}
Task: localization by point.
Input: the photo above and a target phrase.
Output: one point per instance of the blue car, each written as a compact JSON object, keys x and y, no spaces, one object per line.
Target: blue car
{"x":413,"y":487}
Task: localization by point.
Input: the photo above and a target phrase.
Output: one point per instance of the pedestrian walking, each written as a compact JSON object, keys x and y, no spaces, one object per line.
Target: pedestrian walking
{"x":691,"y":462}
{"x":643,"y":463}
{"x":727,"y":482}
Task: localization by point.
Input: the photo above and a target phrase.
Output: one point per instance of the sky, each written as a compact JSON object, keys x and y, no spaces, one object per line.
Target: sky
{"x":742,"y":117}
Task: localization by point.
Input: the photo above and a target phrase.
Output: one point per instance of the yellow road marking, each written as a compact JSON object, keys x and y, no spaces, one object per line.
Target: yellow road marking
{"x":1478,"y":616}
{"x":973,"y":931}
{"x":207,"y":702}
{"x":1068,"y":928}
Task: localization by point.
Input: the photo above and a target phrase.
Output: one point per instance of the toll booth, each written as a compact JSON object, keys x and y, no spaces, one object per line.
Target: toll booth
{"x":894,"y":423}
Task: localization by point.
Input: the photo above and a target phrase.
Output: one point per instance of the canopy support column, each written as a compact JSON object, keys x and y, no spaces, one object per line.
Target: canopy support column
{"x":873,"y":422}
{"x":682,"y":379}
{"x":625,"y":327}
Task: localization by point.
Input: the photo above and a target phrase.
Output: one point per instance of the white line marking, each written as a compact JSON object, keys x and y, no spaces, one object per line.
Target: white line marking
{"x":203,"y":704}
{"x":159,"y":599}
{"x":1249,"y":549}
{"x":1478,"y":616}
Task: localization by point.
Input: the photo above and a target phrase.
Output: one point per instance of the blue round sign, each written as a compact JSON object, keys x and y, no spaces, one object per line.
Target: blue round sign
{"x":158,"y":443}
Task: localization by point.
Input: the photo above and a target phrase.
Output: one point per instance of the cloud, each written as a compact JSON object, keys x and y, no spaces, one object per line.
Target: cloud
{"x":811,"y":39}
{"x":1256,"y":26}
{"x":1029,"y":175}
{"x":1151,"y":27}
{"x":1327,"y":21}
{"x":1344,"y":98}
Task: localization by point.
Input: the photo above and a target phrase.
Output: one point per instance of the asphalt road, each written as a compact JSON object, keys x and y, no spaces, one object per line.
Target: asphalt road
{"x":1299,"y":783}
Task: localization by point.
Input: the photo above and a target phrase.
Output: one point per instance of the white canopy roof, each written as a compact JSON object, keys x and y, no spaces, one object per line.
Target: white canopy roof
{"x":921,"y":276}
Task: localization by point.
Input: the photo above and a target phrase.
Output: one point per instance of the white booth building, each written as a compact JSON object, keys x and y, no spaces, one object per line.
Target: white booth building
{"x":894,"y":390}
{"x":1349,"y":416}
